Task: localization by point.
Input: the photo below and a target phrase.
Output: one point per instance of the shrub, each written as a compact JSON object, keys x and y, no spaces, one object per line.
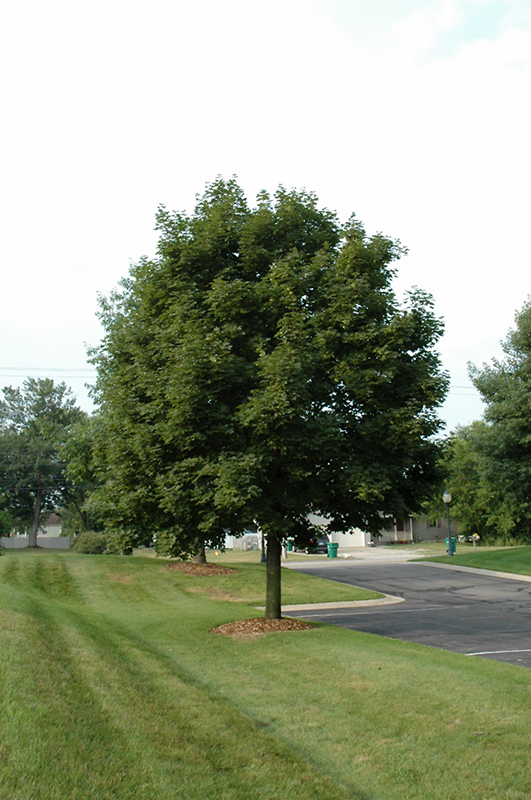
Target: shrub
{"x":90,"y":542}
{"x":119,"y":541}
{"x":506,"y":540}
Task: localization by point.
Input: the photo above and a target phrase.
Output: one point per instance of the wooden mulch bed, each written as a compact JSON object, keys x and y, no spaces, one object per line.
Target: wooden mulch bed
{"x":260,"y":625}
{"x":243,"y":627}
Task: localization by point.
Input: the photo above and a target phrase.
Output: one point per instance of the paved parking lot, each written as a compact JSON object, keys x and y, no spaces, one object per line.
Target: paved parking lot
{"x":465,"y":611}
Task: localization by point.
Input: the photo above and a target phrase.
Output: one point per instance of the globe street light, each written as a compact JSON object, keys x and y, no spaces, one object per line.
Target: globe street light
{"x":447,"y":499}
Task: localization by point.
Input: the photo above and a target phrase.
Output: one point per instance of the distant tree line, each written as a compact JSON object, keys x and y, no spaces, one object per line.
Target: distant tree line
{"x":487,"y":464}
{"x":35,"y":425}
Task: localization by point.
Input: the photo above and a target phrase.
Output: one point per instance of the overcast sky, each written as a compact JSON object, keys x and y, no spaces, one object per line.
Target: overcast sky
{"x":415,"y":115}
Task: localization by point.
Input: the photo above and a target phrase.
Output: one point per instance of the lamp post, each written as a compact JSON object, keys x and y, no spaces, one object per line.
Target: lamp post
{"x":447,"y":499}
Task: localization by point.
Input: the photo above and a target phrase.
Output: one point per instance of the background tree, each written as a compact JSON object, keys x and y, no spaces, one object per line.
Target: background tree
{"x":34,"y":423}
{"x":82,"y":475}
{"x":7,"y":521}
{"x":479,"y":501}
{"x":261,"y":369}
{"x":505,"y":386}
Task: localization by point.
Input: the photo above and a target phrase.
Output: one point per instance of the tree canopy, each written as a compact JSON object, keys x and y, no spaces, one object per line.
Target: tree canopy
{"x":34,"y":424}
{"x":82,"y":475}
{"x":479,"y":501}
{"x":505,"y":446}
{"x":261,"y":368}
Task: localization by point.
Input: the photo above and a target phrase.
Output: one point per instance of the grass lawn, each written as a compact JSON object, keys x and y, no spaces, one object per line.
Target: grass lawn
{"x":430,"y":548}
{"x":506,"y":559}
{"x":247,"y":584}
{"x":114,"y":687}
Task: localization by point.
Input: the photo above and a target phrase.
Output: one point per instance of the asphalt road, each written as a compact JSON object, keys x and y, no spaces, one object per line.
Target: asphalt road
{"x":465,"y":612}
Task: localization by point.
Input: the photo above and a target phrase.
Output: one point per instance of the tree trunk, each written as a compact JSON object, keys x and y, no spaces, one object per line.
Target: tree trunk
{"x":200,"y":556}
{"x":83,"y":516}
{"x":273,"y":608}
{"x":32,"y":539}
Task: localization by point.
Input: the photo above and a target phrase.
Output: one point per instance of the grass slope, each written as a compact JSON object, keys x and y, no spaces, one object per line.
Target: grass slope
{"x":114,"y":687}
{"x":508,"y":559}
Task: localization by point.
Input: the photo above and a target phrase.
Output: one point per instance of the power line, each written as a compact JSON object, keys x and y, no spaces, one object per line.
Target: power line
{"x":14,"y":373}
{"x":85,"y":373}
{"x":93,"y":370}
{"x":44,"y":370}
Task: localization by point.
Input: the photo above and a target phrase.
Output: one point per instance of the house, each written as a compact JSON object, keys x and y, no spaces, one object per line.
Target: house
{"x":49,"y":535}
{"x":354,"y":538}
{"x":412,"y":529}
{"x":52,"y":525}
{"x":250,"y":540}
{"x":418,"y":529}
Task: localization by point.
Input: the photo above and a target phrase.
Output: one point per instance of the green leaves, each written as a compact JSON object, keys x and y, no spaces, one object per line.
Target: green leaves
{"x":34,"y":425}
{"x":506,"y":442}
{"x":261,"y":368}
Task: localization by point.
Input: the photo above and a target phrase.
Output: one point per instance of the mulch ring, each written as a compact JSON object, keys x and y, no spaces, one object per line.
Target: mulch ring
{"x":260,"y":625}
{"x":193,"y":568}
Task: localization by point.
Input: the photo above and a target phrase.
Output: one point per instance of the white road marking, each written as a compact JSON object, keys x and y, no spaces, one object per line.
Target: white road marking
{"x":496,"y":652}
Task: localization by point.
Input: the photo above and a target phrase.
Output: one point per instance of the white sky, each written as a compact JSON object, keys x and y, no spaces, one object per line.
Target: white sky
{"x":415,"y":115}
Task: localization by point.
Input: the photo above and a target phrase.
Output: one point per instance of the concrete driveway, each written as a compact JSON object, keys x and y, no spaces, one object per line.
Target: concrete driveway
{"x":475,"y":612}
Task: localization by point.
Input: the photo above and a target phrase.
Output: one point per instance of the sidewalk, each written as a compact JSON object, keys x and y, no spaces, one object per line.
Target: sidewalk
{"x":374,"y":554}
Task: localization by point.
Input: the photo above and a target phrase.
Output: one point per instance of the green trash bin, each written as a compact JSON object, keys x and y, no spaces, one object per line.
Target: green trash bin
{"x":454,"y":543}
{"x":289,"y":546}
{"x":332,"y":549}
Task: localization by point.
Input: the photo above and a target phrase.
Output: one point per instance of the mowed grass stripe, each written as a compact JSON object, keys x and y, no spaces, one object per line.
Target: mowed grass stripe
{"x":322,"y":713}
{"x":97,"y":715}
{"x":54,"y":734}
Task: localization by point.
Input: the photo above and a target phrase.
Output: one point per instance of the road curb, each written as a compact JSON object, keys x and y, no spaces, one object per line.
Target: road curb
{"x":389,"y":599}
{"x":512,"y":576}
